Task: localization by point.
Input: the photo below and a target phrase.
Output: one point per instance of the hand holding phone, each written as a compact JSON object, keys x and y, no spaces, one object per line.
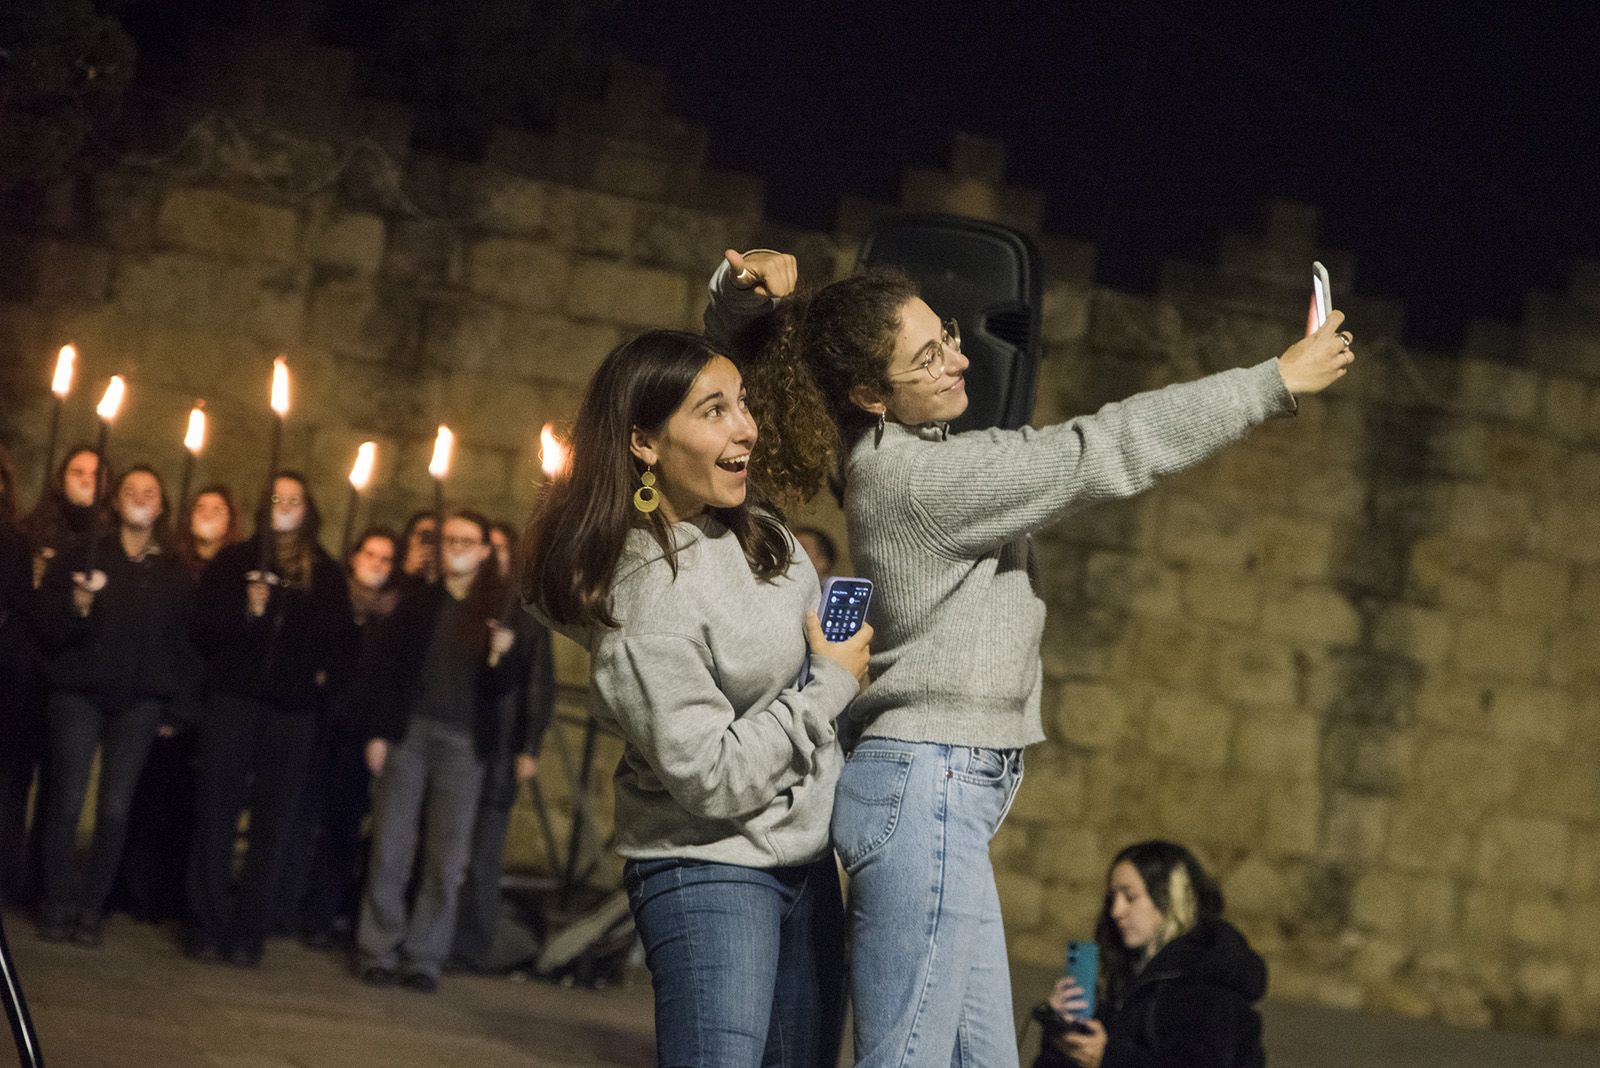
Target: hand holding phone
{"x":1321,"y":298}
{"x":842,"y":614}
{"x":1083,"y":968}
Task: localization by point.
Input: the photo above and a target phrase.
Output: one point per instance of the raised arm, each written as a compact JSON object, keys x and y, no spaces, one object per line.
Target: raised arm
{"x":744,"y":287}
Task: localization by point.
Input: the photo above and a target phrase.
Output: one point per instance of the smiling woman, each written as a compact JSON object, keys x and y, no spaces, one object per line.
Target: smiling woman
{"x":662,"y":556}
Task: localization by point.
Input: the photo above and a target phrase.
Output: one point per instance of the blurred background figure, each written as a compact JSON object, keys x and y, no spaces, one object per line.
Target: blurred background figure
{"x":114,"y":627}
{"x":821,"y":548}
{"x":419,"y":549}
{"x":21,"y":717}
{"x":1178,"y":983}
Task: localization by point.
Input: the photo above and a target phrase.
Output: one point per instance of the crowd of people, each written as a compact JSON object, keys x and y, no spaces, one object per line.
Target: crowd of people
{"x":352,"y":707}
{"x":759,"y":757}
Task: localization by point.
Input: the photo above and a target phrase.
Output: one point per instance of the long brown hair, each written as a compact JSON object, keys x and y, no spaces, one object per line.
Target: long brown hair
{"x":183,"y":535}
{"x":576,"y":537}
{"x":296,"y":562}
{"x":161,"y":533}
{"x":486,"y":594}
{"x":49,"y":524}
{"x":803,"y":363}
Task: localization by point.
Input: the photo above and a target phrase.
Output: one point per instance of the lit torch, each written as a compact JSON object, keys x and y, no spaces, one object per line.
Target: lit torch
{"x":443,"y":444}
{"x":107,"y":409}
{"x":280,"y":410}
{"x":360,"y":477}
{"x":194,"y":439}
{"x":60,"y":385}
{"x":554,"y":454}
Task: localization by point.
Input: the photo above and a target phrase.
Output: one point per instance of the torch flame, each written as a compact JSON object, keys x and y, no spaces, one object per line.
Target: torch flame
{"x":280,"y":386}
{"x":361,"y":470}
{"x":439,"y":466}
{"x":115,"y":389}
{"x":195,"y":438}
{"x":61,"y":385}
{"x":553,"y":452}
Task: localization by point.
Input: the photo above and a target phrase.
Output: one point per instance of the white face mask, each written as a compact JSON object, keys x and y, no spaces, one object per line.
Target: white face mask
{"x":284,"y":524}
{"x":370,"y":577}
{"x":82,"y":496}
{"x":140,"y":515}
{"x":461,"y":563}
{"x":209,"y":529}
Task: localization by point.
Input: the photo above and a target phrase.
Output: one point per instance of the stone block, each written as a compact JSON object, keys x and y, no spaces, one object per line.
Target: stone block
{"x":1496,"y":648}
{"x":686,"y":240}
{"x":1566,"y":407}
{"x":1432,"y":910}
{"x":1535,"y":589}
{"x":1187,"y":730}
{"x":1559,"y":784}
{"x":527,"y":274}
{"x":1255,"y":887}
{"x":552,"y":349}
{"x":1075,"y":855}
{"x":1479,"y":512}
{"x":1498,"y":390}
{"x":1294,"y":818}
{"x":1173,"y":653}
{"x":1091,"y":644}
{"x":1427,"y":838}
{"x":1467,"y":775}
{"x":50,"y":271}
{"x":1380,"y":903}
{"x":365,"y":319}
{"x":460,"y":335}
{"x":1313,"y":615}
{"x":351,"y":240}
{"x":1575,"y":653}
{"x":1052,"y":790}
{"x":1585,"y":603}
{"x":1367,"y":757}
{"x":1539,"y":922}
{"x":1524,"y":851}
{"x":125,"y":206}
{"x":1254,"y":671}
{"x":1294,"y":548}
{"x":1137,"y":583}
{"x":1522,"y":714}
{"x":1202,"y":533}
{"x":500,"y":202}
{"x":1124,"y":323}
{"x":1421,"y":634}
{"x":1447,"y":572}
{"x":218,"y":223}
{"x":634,"y":296}
{"x":1065,"y":313}
{"x":1089,"y":715}
{"x":1277,"y":744}
{"x":1195,"y":805}
{"x":424,"y":252}
{"x":1357,"y":827}
{"x":593,"y":223}
{"x":265,"y":302}
{"x":1222,"y":596}
{"x":1329,"y":492}
{"x":1569,"y":530}
{"x":1459,"y":449}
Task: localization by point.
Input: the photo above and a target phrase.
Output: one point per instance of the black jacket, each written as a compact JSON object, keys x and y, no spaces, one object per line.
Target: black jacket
{"x":18,"y":654}
{"x":1192,"y":1006}
{"x":287,"y":656}
{"x":388,"y":680}
{"x":134,"y":643}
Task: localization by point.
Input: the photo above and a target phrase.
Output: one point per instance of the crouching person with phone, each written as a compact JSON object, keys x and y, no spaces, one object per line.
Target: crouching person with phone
{"x":1177,"y":984}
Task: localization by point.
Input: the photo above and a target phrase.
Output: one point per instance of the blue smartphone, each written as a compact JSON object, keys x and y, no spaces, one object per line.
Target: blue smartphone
{"x":1083,"y":967}
{"x":843,"y":610}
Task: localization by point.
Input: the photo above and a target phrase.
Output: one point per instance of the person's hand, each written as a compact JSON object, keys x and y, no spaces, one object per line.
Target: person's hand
{"x":377,"y":755}
{"x":41,"y":564}
{"x":770,"y":274}
{"x":1315,"y":362}
{"x":852,"y":654}
{"x":255,"y":598}
{"x":501,"y":639}
{"x":527,"y":766}
{"x":84,"y":587}
{"x":1086,"y":1048}
{"x":1068,"y":999}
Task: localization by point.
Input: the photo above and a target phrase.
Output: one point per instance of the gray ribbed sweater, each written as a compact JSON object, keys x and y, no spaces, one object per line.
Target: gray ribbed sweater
{"x":940,"y":525}
{"x":725,"y":759}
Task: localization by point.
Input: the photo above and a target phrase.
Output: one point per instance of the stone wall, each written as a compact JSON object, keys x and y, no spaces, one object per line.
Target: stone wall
{"x":1354,"y":661}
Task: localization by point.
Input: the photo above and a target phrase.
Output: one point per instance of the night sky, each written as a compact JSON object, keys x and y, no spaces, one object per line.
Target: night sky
{"x":1450,"y":147}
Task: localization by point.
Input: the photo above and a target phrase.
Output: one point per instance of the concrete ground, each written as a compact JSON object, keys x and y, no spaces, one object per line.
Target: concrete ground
{"x":138,"y":1003}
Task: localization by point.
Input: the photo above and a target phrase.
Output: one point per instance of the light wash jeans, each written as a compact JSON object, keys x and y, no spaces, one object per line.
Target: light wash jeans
{"x":929,"y":980}
{"x":747,"y":963}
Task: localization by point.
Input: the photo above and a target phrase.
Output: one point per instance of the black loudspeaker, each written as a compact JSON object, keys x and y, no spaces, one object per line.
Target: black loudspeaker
{"x":986,"y":277}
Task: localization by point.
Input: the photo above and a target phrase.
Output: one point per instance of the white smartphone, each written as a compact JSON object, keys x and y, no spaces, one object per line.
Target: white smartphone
{"x":1321,"y":298}
{"x":843,"y":610}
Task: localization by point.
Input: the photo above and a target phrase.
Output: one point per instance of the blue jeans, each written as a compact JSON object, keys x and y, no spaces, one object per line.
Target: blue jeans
{"x":79,"y":725}
{"x":928,"y":974}
{"x":747,"y":963}
{"x":430,"y":783}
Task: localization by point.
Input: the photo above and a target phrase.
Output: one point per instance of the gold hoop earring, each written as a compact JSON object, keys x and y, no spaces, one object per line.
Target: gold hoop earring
{"x":647,"y":498}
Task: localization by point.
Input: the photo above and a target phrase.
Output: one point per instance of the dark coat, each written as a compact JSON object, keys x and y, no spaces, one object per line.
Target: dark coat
{"x":389,"y":678}
{"x":18,"y":654}
{"x":1191,"y":1006}
{"x":134,"y":643}
{"x":288,"y":656}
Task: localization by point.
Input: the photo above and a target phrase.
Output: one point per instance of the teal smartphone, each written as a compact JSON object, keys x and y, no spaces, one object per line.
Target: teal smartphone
{"x":1083,"y":967}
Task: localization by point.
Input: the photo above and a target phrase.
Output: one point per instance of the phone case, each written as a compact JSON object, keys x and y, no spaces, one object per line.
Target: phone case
{"x":1321,"y":298}
{"x":1083,"y":966}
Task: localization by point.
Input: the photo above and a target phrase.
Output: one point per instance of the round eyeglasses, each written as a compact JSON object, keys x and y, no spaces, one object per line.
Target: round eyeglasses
{"x":933,"y":365}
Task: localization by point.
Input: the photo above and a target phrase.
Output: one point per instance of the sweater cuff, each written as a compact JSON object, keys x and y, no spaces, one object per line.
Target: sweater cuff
{"x":1271,"y":398}
{"x":831,"y":686}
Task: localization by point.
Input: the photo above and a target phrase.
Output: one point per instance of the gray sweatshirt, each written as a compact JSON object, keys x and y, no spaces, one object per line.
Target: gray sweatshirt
{"x":940,"y":524}
{"x":725,"y":760}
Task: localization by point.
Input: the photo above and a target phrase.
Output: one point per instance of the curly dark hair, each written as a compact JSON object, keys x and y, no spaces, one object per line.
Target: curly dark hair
{"x":805,"y":362}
